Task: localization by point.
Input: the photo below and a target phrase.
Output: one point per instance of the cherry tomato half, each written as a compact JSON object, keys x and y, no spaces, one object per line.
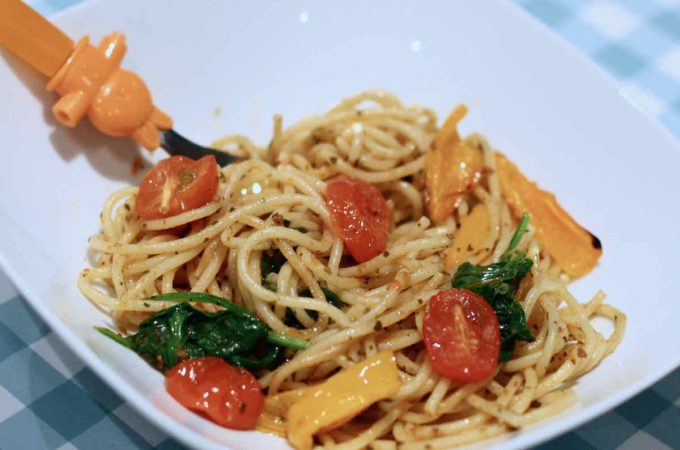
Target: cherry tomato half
{"x":176,"y":185}
{"x":229,"y":396}
{"x":461,"y":335}
{"x":360,"y":216}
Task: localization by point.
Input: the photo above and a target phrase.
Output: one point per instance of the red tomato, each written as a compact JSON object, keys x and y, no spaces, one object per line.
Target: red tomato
{"x":461,"y":334}
{"x":360,"y":216}
{"x":230,"y":396}
{"x":176,"y":185}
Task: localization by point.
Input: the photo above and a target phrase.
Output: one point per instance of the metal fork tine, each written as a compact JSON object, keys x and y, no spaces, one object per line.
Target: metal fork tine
{"x":176,"y":144}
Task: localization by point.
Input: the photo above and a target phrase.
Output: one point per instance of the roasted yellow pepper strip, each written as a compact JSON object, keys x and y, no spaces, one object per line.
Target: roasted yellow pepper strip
{"x":448,"y":133}
{"x":451,"y":168}
{"x":341,"y":397}
{"x":574,"y":248}
{"x":273,"y":419}
{"x":470,"y":237}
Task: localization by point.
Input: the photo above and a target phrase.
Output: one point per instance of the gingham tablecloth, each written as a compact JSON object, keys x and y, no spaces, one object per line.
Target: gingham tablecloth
{"x":50,"y":400}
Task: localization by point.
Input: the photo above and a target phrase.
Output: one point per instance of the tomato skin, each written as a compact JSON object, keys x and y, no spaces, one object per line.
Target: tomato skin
{"x":176,"y":185}
{"x":360,"y":216}
{"x":461,"y":335}
{"x":229,"y":396}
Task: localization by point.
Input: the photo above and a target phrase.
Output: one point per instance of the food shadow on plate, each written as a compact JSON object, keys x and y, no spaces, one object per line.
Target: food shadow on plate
{"x":116,"y":158}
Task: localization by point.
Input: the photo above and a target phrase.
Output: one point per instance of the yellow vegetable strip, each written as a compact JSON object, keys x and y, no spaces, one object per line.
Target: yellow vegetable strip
{"x":276,"y":409}
{"x":470,"y":237}
{"x":341,"y":397}
{"x":452,"y":167}
{"x":448,"y":133}
{"x":574,"y":248}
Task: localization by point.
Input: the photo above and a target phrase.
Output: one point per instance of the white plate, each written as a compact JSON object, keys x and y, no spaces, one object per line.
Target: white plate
{"x":533,"y":96}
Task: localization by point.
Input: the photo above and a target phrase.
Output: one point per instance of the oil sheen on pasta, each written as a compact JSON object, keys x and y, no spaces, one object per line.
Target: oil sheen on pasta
{"x":274,"y":200}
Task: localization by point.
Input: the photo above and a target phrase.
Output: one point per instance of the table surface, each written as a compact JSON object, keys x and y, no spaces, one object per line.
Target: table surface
{"x":50,"y":400}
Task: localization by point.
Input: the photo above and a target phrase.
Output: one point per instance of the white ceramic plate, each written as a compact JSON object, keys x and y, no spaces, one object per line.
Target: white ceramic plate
{"x":533,"y":96}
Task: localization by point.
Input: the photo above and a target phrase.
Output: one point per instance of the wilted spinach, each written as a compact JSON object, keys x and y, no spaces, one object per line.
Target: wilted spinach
{"x":272,"y":262}
{"x":331,"y":297}
{"x":184,"y":332}
{"x":497,"y":283}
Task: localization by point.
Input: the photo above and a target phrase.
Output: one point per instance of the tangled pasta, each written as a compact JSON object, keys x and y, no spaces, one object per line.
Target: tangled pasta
{"x":273,"y":202}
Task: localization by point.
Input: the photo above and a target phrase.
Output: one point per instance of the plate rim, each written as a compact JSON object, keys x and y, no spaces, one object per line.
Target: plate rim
{"x":194,"y":439}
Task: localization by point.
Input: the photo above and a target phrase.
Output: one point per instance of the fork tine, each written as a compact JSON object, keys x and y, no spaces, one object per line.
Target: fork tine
{"x":176,"y":144}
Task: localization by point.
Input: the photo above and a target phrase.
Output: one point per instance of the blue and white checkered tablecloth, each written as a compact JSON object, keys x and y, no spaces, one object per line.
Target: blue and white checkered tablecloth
{"x":50,"y":400}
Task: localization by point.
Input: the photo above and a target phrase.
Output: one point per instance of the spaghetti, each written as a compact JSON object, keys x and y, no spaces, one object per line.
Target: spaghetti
{"x":274,"y":201}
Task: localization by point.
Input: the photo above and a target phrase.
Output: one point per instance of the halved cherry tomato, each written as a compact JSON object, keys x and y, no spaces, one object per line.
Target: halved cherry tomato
{"x":176,"y":185}
{"x":360,"y":216}
{"x":461,"y":335}
{"x":229,"y":396}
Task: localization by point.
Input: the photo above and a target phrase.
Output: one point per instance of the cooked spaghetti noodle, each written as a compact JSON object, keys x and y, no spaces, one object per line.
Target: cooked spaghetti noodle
{"x":274,"y":200}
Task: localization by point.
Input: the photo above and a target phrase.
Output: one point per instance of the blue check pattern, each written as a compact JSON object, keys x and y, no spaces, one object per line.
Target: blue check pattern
{"x":636,"y":41}
{"x":50,"y":400}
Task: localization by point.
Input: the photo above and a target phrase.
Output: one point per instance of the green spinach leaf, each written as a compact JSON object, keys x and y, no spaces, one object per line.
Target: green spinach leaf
{"x":184,"y":332}
{"x":331,"y":297}
{"x":271,"y":262}
{"x":497,"y":283}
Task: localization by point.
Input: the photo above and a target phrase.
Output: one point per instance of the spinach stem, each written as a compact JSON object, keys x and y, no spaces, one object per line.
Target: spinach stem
{"x":287,"y":341}
{"x":115,"y":337}
{"x":519,"y":232}
{"x":200,"y":297}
